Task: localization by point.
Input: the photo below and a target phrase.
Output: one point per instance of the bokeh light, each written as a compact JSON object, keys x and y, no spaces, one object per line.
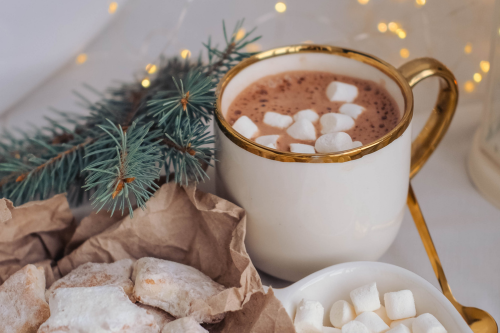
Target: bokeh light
{"x":280,"y":7}
{"x":146,"y":83}
{"x":185,"y":53}
{"x":81,"y":58}
{"x":112,"y":7}
{"x":469,"y":86}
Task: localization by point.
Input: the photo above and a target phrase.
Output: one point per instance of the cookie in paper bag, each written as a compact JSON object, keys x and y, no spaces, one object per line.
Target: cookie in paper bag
{"x":93,"y":275}
{"x":162,"y":318}
{"x":22,"y":302}
{"x":96,"y":309}
{"x":179,"y":289}
{"x":186,"y":325}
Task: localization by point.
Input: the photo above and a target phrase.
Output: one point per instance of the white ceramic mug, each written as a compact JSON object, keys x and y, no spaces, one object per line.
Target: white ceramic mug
{"x":309,"y":211}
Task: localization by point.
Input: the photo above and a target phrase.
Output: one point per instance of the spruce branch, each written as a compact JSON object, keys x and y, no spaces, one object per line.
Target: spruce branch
{"x":116,"y":152}
{"x":194,"y":98}
{"x":187,"y":149}
{"x":127,"y":165}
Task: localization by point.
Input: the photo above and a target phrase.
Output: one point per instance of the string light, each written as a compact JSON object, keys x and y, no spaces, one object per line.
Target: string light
{"x":420,"y":2}
{"x":393,"y":26}
{"x":477,"y":77}
{"x":382,"y":27}
{"x":363,"y":2}
{"x":401,"y":33}
{"x":253,"y":47}
{"x":112,"y":7}
{"x":404,"y":53}
{"x":240,"y":34}
{"x":469,"y":86}
{"x":150,"y":68}
{"x":280,"y":7}
{"x":468,"y":48}
{"x":81,"y":58}
{"x":485,"y":66}
{"x":185,"y":53}
{"x":146,"y":83}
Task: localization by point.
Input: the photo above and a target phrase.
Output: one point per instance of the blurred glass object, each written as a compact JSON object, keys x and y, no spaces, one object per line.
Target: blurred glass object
{"x":484,"y":158}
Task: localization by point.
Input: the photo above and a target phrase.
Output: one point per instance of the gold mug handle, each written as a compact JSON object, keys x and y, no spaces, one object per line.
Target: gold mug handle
{"x":436,"y":126}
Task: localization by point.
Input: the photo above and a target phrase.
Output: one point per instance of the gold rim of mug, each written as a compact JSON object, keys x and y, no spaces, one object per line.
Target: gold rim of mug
{"x":339,"y":157}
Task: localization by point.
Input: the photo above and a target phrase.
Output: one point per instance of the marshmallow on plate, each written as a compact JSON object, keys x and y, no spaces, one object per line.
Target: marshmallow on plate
{"x":278,"y":120}
{"x":301,"y":148}
{"x":351,"y":110}
{"x":327,"y":329}
{"x":335,"y":122}
{"x":341,"y":92}
{"x":246,"y":127}
{"x":309,"y":317}
{"x":374,"y":323}
{"x":408,"y":322}
{"x":400,"y":304}
{"x":341,"y":313}
{"x":268,"y":140}
{"x":382,"y":313}
{"x":399,"y":329}
{"x":302,"y":130}
{"x":306,"y":114}
{"x":334,"y":142}
{"x":427,"y":323}
{"x":366,"y":298}
{"x":355,"y":327}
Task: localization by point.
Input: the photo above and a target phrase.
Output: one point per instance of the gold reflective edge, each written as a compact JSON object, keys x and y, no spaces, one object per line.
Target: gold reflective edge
{"x":340,"y":157}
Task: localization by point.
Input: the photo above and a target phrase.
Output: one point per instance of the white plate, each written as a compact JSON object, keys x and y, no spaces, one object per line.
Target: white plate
{"x":334,"y":283}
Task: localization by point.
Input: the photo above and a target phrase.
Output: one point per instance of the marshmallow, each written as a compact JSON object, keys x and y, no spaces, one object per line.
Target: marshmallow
{"x":356,"y":144}
{"x":309,"y":317}
{"x":268,"y":140}
{"x":341,"y":92}
{"x":301,"y":148}
{"x":351,"y":110}
{"x":365,"y":298}
{"x":341,"y":313}
{"x":382,"y":313}
{"x":334,"y":142}
{"x":278,"y":120}
{"x":374,"y":323}
{"x":355,"y":327}
{"x":400,"y":304}
{"x":335,"y":122}
{"x":427,"y":323}
{"x":307,"y":115}
{"x":399,"y":329}
{"x":302,"y":130}
{"x":408,"y":322}
{"x":246,"y":127}
{"x":331,"y":330}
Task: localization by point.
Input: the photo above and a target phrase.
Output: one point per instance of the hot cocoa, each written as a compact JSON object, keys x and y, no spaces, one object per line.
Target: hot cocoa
{"x":313,"y":111}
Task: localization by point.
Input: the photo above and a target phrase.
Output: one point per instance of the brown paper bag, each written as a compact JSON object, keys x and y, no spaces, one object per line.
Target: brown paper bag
{"x":34,"y":233}
{"x":179,"y":224}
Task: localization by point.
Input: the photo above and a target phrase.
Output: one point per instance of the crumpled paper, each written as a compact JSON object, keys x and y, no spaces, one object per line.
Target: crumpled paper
{"x":179,"y":224}
{"x":34,"y":233}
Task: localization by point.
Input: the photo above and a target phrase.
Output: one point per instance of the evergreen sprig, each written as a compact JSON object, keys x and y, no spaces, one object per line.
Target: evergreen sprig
{"x":123,"y":167}
{"x":115,"y":153}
